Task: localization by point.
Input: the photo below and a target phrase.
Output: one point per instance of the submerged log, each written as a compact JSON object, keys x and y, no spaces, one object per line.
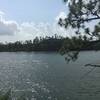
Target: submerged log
{"x":93,"y":65}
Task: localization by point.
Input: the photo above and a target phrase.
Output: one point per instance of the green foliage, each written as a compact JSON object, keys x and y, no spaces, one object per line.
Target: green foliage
{"x":80,"y":13}
{"x":53,"y":43}
{"x":6,"y":96}
{"x":71,"y":48}
{"x":9,"y":96}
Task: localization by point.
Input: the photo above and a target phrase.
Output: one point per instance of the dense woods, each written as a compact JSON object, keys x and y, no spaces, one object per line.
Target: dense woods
{"x":53,"y":43}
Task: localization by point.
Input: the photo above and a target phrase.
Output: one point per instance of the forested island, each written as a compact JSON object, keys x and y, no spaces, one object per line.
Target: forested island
{"x":53,"y":43}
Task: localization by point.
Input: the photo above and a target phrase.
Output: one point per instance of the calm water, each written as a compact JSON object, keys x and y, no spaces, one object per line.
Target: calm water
{"x":47,"y":76}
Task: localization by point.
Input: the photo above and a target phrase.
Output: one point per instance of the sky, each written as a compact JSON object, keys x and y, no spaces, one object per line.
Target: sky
{"x":32,"y":10}
{"x":26,"y":19}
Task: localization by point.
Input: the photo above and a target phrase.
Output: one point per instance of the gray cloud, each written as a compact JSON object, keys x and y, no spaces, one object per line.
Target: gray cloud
{"x":12,"y":31}
{"x":7,"y":27}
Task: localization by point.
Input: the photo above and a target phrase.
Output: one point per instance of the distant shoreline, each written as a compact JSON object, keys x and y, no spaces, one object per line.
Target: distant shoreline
{"x":51,"y":44}
{"x":49,"y":51}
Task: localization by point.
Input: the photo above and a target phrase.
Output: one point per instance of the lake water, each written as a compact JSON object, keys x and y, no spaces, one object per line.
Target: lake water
{"x":47,"y":76}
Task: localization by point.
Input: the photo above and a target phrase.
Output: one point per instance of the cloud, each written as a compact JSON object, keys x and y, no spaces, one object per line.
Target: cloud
{"x":2,"y":13}
{"x":61,"y":15}
{"x":11,"y":30}
{"x":7,"y":27}
{"x":41,"y":29}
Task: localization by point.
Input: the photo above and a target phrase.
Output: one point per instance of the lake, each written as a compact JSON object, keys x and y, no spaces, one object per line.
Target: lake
{"x":47,"y":76}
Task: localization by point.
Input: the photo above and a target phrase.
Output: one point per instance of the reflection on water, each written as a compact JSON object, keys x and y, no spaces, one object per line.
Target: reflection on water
{"x":47,"y":76}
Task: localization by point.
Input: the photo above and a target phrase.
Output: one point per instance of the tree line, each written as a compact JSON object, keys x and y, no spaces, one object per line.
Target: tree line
{"x":53,"y":43}
{"x":47,"y":43}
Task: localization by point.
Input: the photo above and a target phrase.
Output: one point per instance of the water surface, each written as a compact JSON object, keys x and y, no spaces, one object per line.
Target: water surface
{"x":47,"y":76}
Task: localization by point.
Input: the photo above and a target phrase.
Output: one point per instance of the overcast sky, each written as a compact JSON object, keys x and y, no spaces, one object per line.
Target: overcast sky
{"x":26,"y":19}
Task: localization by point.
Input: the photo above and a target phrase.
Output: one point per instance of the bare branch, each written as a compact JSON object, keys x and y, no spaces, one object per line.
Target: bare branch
{"x":89,"y":19}
{"x":92,"y":65}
